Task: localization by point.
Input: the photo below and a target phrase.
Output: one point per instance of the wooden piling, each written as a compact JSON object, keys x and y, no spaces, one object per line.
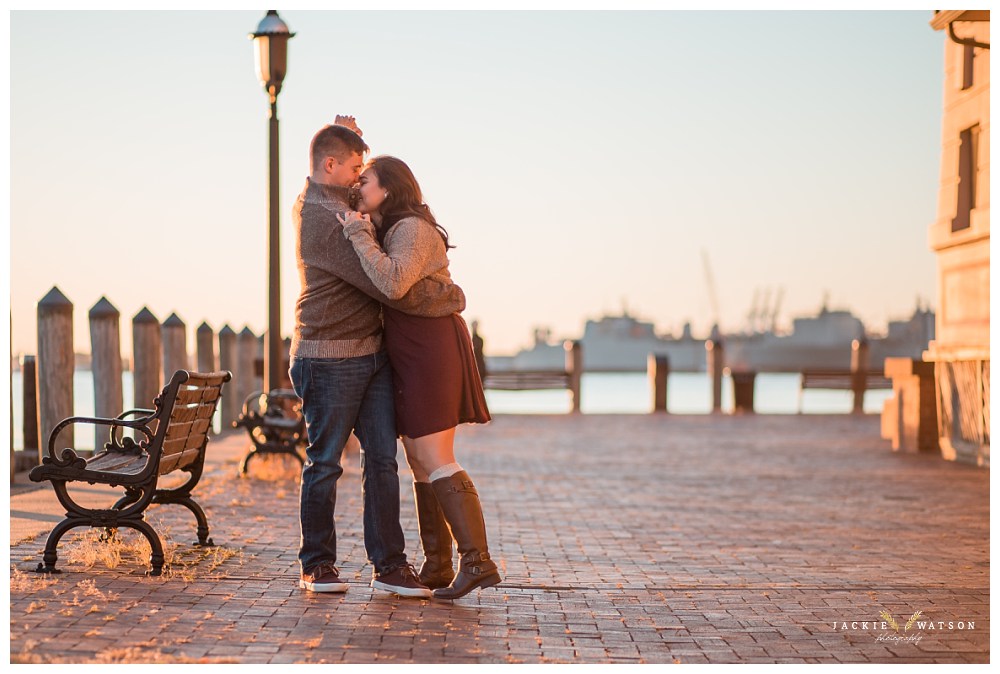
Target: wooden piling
{"x":231,"y":401}
{"x":574,"y":368}
{"x":743,"y":391}
{"x":175,"y":356}
{"x":246,"y":353}
{"x":286,"y":353}
{"x":205,"y":340}
{"x":658,"y":371}
{"x":715,"y":357}
{"x":29,"y":397}
{"x":478,"y":350}
{"x":106,"y":365}
{"x":56,"y":364}
{"x":859,"y":373}
{"x":146,"y":359}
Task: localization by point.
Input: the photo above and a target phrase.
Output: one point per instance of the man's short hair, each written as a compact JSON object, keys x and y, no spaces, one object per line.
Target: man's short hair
{"x":335,"y":141}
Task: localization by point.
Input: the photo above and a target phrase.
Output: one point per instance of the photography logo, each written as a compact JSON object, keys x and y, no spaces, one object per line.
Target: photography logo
{"x":888,"y":629}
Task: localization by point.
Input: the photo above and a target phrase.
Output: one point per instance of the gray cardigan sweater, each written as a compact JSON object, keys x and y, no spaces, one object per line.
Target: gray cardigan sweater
{"x":338,"y":313}
{"x":413,"y":250}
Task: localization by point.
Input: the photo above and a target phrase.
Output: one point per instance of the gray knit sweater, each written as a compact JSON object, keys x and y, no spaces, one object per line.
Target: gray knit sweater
{"x":338,"y":313}
{"x":413,"y":250}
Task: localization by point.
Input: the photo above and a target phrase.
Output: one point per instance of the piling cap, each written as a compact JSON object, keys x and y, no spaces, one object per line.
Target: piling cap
{"x":204,"y":327}
{"x":173,"y":321}
{"x":55,"y":302}
{"x":247,"y":332}
{"x":226,"y":330}
{"x":103,"y":309}
{"x":145,"y":316}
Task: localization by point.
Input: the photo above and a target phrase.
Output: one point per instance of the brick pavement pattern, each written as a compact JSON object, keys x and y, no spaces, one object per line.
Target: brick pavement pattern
{"x":622,"y":539}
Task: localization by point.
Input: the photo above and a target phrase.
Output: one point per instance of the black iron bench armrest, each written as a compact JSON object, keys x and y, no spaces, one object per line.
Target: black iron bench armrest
{"x":68,"y":457}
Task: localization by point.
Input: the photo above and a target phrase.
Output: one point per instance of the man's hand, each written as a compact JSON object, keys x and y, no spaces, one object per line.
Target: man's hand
{"x":355,"y":222}
{"x":348,"y":121}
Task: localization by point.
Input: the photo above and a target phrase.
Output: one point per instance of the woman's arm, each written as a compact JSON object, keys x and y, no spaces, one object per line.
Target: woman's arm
{"x":414,"y":249}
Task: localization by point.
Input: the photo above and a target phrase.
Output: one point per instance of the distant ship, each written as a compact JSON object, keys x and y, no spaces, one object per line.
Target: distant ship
{"x":622,"y":343}
{"x":610,"y":344}
{"x":824,"y":341}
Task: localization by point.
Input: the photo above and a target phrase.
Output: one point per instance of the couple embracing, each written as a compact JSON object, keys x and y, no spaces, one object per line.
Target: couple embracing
{"x":380,"y":350}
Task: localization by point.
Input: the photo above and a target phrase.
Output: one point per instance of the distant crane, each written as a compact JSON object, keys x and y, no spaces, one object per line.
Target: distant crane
{"x":764,"y":312}
{"x":752,"y":316}
{"x":712,"y":297}
{"x":777,"y":306}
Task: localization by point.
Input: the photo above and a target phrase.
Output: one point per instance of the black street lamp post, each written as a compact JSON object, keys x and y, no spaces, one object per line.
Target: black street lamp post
{"x":271,"y":47}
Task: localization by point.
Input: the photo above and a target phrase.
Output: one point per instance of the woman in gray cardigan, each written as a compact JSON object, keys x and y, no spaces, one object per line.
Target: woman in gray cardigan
{"x":437,"y":385}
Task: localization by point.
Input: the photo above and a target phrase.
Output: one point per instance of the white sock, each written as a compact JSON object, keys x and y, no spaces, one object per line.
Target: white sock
{"x":447,"y":470}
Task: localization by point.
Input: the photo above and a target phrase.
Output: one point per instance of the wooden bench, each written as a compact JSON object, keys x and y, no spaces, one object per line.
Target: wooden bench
{"x":843,"y":380}
{"x":275,"y":424}
{"x":538,"y":380}
{"x":172,"y":437}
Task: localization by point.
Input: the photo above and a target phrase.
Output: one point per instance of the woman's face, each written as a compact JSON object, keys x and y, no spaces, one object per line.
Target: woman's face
{"x":371,"y":194}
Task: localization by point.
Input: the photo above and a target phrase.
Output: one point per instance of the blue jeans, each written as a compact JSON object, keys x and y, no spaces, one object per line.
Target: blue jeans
{"x":340,"y":395}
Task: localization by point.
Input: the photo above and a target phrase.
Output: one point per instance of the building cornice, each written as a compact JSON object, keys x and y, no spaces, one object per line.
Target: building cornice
{"x":944,"y":17}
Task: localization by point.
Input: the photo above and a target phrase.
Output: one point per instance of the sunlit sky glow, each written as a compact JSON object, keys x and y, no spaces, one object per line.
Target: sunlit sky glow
{"x":579,"y":160}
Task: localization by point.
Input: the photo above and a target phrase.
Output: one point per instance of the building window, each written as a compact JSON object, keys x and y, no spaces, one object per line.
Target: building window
{"x":968,"y":66}
{"x":968,"y":158}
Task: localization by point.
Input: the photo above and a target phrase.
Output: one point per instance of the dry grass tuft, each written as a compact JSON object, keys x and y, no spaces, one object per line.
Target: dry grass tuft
{"x":275,"y":468}
{"x":115,"y":548}
{"x":29,"y":582}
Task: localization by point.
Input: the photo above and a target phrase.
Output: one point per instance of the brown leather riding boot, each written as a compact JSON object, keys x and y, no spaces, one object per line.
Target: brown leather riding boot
{"x":435,"y":539}
{"x":460,"y":503}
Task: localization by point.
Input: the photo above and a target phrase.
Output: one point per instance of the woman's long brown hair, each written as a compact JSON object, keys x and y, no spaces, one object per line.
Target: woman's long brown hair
{"x":405,"y":198}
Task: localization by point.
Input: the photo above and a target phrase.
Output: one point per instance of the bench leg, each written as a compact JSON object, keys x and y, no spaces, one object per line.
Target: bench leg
{"x":131,"y":496}
{"x":48,"y":565}
{"x":199,"y":514}
{"x":156,"y":559}
{"x":246,"y":460}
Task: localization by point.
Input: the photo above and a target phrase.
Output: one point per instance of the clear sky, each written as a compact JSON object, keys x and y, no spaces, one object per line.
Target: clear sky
{"x":580,"y":161}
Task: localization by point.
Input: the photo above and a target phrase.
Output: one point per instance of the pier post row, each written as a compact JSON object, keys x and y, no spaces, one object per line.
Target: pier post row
{"x":574,"y":368}
{"x":859,"y":373}
{"x":105,"y":364}
{"x":658,"y":372}
{"x":205,"y":342}
{"x":146,"y":358}
{"x":29,"y":397}
{"x":716,"y":364}
{"x":175,"y":355}
{"x":228,"y":361}
{"x":56,"y":363}
{"x":244,"y":375}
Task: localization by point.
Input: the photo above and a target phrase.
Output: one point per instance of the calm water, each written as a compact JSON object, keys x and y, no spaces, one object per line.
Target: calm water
{"x":687,"y":393}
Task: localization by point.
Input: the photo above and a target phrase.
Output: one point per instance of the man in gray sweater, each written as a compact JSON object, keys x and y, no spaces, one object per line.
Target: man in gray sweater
{"x":343,"y":376}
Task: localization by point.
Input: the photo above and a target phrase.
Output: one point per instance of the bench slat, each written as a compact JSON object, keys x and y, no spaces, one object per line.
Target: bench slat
{"x":118,"y":462}
{"x":527,"y":380}
{"x":196,"y":395}
{"x":206,"y":378}
{"x":187,"y":457}
{"x":842,"y":380}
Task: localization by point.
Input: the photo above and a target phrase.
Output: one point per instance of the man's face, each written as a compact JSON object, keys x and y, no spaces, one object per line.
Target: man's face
{"x":371,"y":194}
{"x":344,"y":173}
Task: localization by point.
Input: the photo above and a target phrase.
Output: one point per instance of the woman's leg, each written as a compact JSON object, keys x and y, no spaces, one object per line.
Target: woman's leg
{"x":430,"y":452}
{"x":435,"y":538}
{"x":460,"y":504}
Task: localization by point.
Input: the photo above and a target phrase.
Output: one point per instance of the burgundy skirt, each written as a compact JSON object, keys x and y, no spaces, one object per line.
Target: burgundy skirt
{"x":436,"y":384}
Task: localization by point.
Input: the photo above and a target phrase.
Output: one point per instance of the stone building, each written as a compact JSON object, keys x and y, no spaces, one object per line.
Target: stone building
{"x":960,"y":237}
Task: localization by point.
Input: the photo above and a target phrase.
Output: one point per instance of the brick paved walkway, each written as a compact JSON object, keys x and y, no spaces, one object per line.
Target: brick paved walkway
{"x":622,"y":539}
